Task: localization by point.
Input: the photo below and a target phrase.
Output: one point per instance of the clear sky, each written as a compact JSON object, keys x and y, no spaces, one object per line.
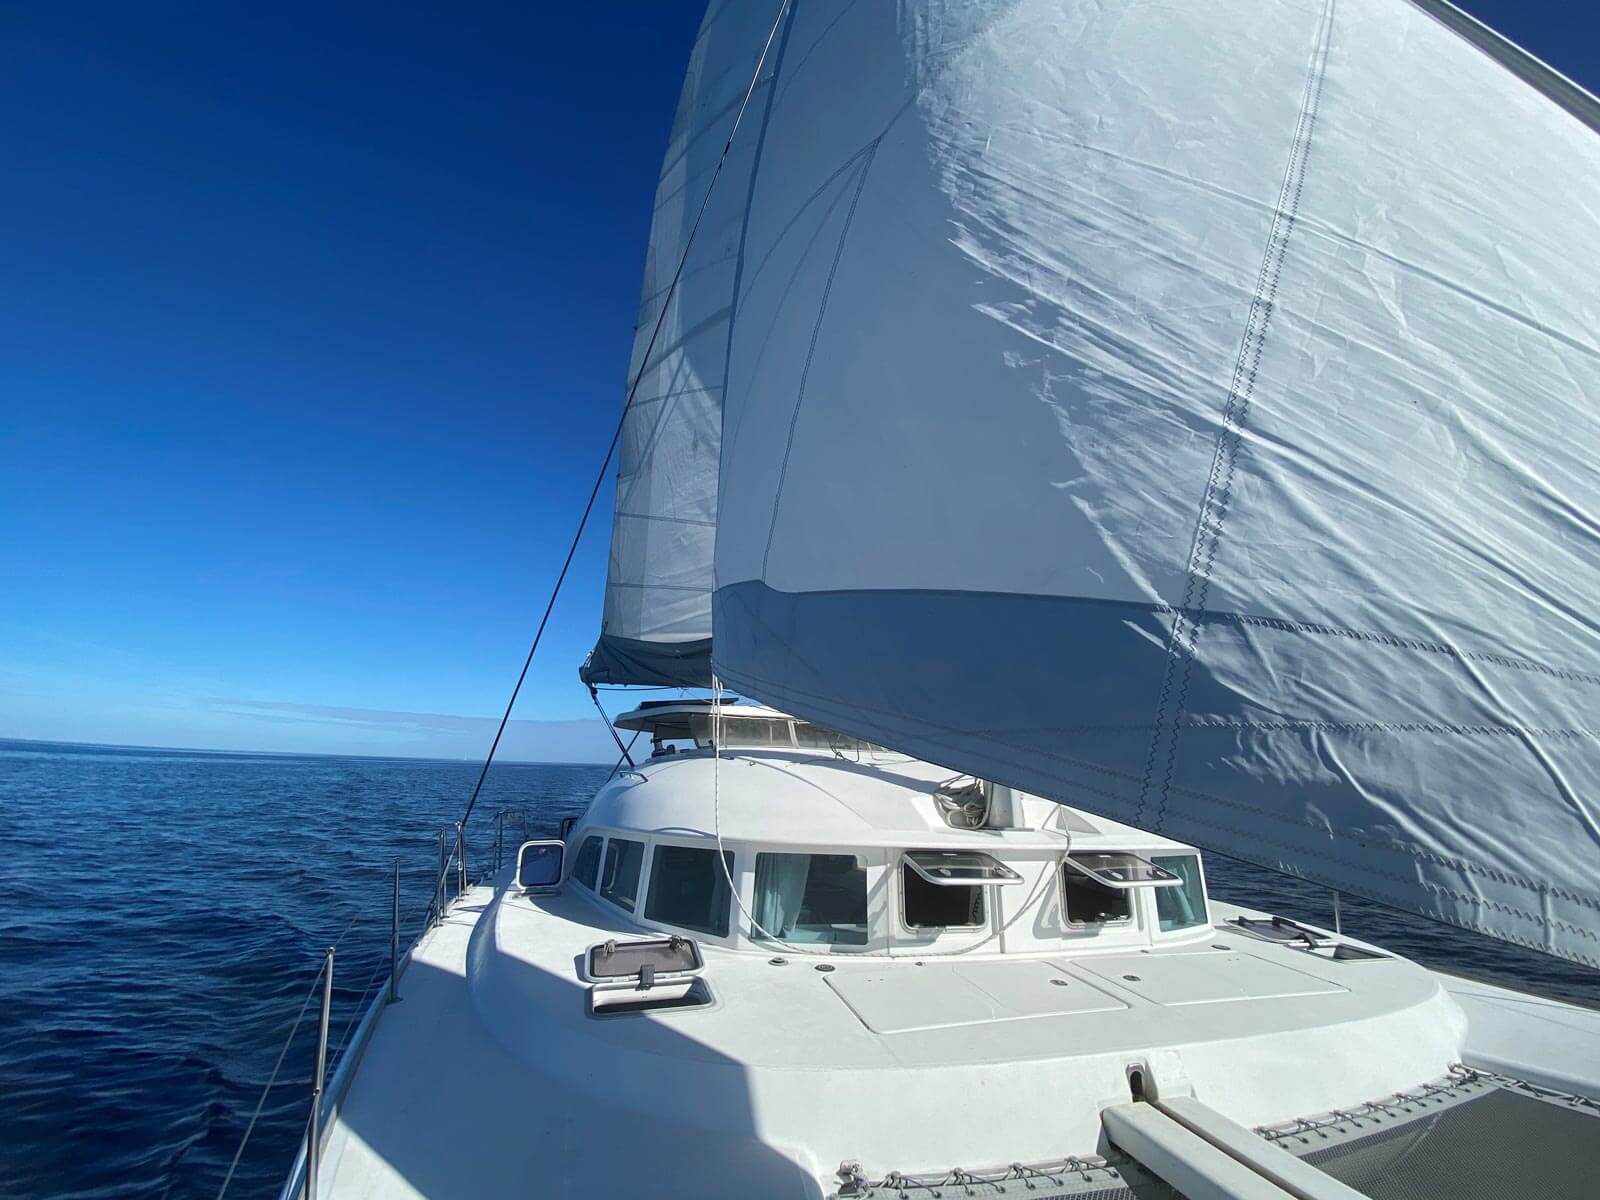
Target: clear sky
{"x":313,"y":328}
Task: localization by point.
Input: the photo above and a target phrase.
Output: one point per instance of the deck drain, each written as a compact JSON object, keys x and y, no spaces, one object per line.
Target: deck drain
{"x":1059,"y":982}
{"x":1131,"y":978}
{"x":824,"y":967}
{"x":778,"y":962}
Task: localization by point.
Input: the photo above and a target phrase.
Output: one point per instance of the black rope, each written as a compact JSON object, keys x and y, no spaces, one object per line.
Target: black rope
{"x":627,"y":406}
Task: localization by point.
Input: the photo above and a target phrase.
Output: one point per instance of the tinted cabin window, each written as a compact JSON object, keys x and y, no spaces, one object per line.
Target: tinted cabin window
{"x":755,"y":733}
{"x":689,"y":889}
{"x":583,"y":868}
{"x":619,"y":881}
{"x":1090,"y":903}
{"x":1181,"y":907}
{"x":811,"y":898}
{"x":932,"y":906}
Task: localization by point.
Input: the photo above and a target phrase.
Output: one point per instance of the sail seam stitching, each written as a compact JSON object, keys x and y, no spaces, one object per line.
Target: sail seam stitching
{"x":744,"y":235}
{"x":1199,"y":616}
{"x":633,"y":516}
{"x":658,"y":587}
{"x":811,"y":351}
{"x":1214,"y":501}
{"x":1285,"y":726}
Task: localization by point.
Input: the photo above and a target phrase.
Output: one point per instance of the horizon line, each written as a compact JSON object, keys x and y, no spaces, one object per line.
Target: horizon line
{"x":521,"y":762}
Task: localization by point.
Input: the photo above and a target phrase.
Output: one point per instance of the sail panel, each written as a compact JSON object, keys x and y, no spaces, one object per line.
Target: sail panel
{"x":1187,"y":413}
{"x":656,"y":626}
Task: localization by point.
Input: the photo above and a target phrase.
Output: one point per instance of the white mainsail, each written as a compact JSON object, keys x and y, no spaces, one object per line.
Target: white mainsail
{"x":1188,"y":412}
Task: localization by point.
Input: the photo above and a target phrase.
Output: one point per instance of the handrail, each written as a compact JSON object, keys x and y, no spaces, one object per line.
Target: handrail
{"x":327,"y":1094}
{"x":502,"y":818}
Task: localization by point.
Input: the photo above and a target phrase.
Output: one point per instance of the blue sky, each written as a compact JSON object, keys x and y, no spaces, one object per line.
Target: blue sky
{"x":313,"y":330}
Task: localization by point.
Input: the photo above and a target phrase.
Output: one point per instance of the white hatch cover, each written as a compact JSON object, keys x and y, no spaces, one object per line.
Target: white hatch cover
{"x":908,"y":998}
{"x":1120,"y":870}
{"x":1173,"y":980}
{"x":961,"y":868}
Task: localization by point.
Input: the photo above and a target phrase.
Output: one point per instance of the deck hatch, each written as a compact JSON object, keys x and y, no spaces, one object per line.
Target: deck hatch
{"x":908,"y":999}
{"x":1178,"y":980}
{"x":668,"y":956}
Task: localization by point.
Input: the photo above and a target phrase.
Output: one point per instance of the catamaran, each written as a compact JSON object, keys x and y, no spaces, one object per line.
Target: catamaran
{"x":1087,"y":436}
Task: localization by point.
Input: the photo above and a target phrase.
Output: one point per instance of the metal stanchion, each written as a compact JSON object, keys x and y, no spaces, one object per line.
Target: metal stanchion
{"x":438,"y":882}
{"x":461,"y":858}
{"x":1336,"y":927}
{"x":314,"y":1125}
{"x":394,"y":939}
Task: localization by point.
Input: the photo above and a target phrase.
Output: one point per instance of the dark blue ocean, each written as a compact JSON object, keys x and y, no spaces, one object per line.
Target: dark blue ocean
{"x":163,"y":913}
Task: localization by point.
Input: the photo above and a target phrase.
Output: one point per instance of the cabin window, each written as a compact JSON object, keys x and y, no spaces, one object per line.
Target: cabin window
{"x":755,"y":733}
{"x":939,"y":906}
{"x":817,"y":737}
{"x":619,"y":881}
{"x":688,"y":889}
{"x":1180,"y":907}
{"x":811,"y":898}
{"x":588,"y":860}
{"x":1089,"y":903}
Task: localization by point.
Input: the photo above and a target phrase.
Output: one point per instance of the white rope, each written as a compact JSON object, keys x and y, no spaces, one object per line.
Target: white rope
{"x":716,"y":824}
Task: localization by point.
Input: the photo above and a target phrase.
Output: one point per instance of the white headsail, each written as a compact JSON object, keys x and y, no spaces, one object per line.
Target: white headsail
{"x":1189,"y":412}
{"x":657,"y":623}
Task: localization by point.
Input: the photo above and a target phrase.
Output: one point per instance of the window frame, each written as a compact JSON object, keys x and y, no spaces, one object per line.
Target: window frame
{"x":1129,"y":897}
{"x":592,"y":884}
{"x":641,"y":881}
{"x":647,"y":881}
{"x":1204,"y":921}
{"x":863,"y":863}
{"x":983,"y":925}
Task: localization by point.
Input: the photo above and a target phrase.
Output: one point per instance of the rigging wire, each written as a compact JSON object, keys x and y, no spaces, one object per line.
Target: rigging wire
{"x":615,"y":737}
{"x":278,"y":1066}
{"x":625,"y":751}
{"x":627,"y":406}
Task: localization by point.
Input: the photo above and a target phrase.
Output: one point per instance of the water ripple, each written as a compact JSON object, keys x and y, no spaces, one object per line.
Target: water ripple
{"x":165,"y":913}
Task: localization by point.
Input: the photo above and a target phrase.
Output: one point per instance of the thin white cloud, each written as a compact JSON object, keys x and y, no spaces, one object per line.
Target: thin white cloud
{"x":431,"y":735}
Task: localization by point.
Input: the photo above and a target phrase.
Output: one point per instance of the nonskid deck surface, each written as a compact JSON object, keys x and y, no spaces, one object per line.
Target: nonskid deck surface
{"x":944,"y":1011}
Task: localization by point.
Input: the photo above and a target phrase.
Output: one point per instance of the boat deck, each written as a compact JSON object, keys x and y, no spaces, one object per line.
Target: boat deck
{"x":492,"y":1078}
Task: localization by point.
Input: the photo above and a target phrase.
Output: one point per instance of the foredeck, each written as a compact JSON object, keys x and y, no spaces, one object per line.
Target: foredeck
{"x":493,"y":1078}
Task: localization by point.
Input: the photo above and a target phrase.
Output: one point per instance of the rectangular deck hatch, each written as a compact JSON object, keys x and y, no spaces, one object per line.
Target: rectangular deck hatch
{"x":653,"y":957}
{"x":960,"y":868}
{"x":1120,"y":870}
